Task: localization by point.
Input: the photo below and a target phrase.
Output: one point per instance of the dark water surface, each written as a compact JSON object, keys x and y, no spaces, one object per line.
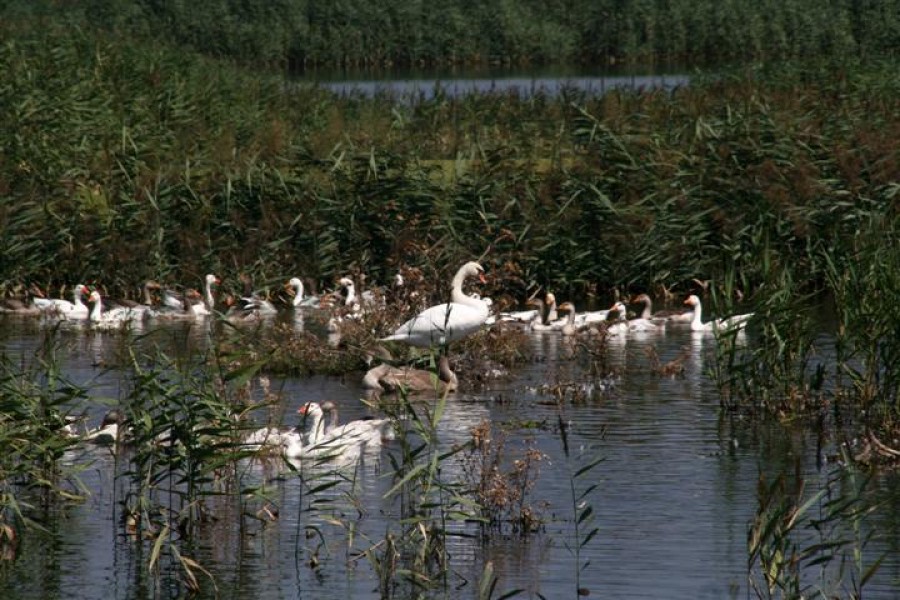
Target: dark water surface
{"x":429,"y":83}
{"x":676,"y":491}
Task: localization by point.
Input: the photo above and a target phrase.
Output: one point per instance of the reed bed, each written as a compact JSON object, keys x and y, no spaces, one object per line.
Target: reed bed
{"x":124,"y":162}
{"x":607,"y":32}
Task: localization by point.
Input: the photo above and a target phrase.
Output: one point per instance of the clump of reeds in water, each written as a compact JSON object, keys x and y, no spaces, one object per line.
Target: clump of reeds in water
{"x":501,"y":479}
{"x":36,"y":401}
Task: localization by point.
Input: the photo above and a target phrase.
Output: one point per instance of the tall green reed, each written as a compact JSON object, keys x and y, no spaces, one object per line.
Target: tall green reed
{"x":36,"y":401}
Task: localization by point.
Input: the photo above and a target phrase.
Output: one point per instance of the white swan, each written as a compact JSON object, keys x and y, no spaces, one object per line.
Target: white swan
{"x":449,"y":322}
{"x":736,"y":322}
{"x":116,"y":318}
{"x":64,"y":309}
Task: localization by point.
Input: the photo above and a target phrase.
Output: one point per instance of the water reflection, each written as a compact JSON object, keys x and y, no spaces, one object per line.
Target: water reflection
{"x":676,"y":490}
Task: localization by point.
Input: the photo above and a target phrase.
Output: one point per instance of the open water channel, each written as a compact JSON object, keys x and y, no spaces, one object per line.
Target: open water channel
{"x":676,"y":490}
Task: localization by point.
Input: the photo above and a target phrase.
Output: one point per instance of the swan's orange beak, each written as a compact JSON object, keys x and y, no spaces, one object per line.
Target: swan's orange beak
{"x":302,"y":410}
{"x":481,"y":278}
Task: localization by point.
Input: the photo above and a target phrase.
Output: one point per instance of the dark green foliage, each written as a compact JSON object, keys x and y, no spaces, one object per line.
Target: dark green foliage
{"x":123,"y":163}
{"x":304,"y":33}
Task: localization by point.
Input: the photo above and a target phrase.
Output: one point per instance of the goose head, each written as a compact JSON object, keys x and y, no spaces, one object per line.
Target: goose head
{"x":692,"y":300}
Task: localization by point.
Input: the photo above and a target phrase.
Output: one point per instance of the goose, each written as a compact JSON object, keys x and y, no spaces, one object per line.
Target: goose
{"x":634,"y":325}
{"x":662,"y":315}
{"x":144,"y":308}
{"x":449,"y":322}
{"x":115,"y":318}
{"x":295,"y":289}
{"x":549,"y":317}
{"x":63,"y":308}
{"x":172,"y":299}
{"x":202,"y":308}
{"x":528,"y":316}
{"x":146,"y":300}
{"x":338,"y":441}
{"x":386,"y":377}
{"x":267,"y":437}
{"x":251,"y":305}
{"x":110,"y":430}
{"x":22,"y":304}
{"x":617,"y":324}
{"x":569,"y":328}
{"x":191,"y":306}
{"x":372,"y":431}
{"x":736,"y":322}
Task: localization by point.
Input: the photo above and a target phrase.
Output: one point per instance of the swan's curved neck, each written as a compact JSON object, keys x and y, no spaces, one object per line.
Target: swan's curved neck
{"x":457,"y":295}
{"x":445,"y":373}
{"x":76,"y":296}
{"x":373,"y":375}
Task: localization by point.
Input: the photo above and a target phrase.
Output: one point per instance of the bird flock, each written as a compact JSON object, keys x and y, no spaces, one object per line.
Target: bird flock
{"x":434,"y":327}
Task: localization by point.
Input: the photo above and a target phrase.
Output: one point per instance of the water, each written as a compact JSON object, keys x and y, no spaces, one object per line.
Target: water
{"x":677,"y":489}
{"x":460,"y":82}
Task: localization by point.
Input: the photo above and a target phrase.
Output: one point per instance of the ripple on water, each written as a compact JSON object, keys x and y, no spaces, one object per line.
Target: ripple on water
{"x":675,"y":491}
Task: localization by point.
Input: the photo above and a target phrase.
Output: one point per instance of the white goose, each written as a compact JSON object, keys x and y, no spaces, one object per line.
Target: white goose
{"x":569,"y":327}
{"x":618,"y":325}
{"x":295,"y":289}
{"x":736,"y":322}
{"x":110,"y":431}
{"x":662,"y":315}
{"x":549,"y":317}
{"x":64,"y":309}
{"x":449,"y":322}
{"x":331,"y":440}
{"x":635,"y":325}
{"x":117,"y":318}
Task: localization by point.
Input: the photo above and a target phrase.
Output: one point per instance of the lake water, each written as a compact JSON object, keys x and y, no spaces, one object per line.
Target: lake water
{"x":676,"y":491}
{"x":459,"y":82}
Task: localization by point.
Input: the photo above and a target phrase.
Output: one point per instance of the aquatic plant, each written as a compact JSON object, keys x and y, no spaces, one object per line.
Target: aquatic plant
{"x":501,"y":479}
{"x":36,"y":401}
{"x":792,"y":535}
{"x":582,"y":510}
